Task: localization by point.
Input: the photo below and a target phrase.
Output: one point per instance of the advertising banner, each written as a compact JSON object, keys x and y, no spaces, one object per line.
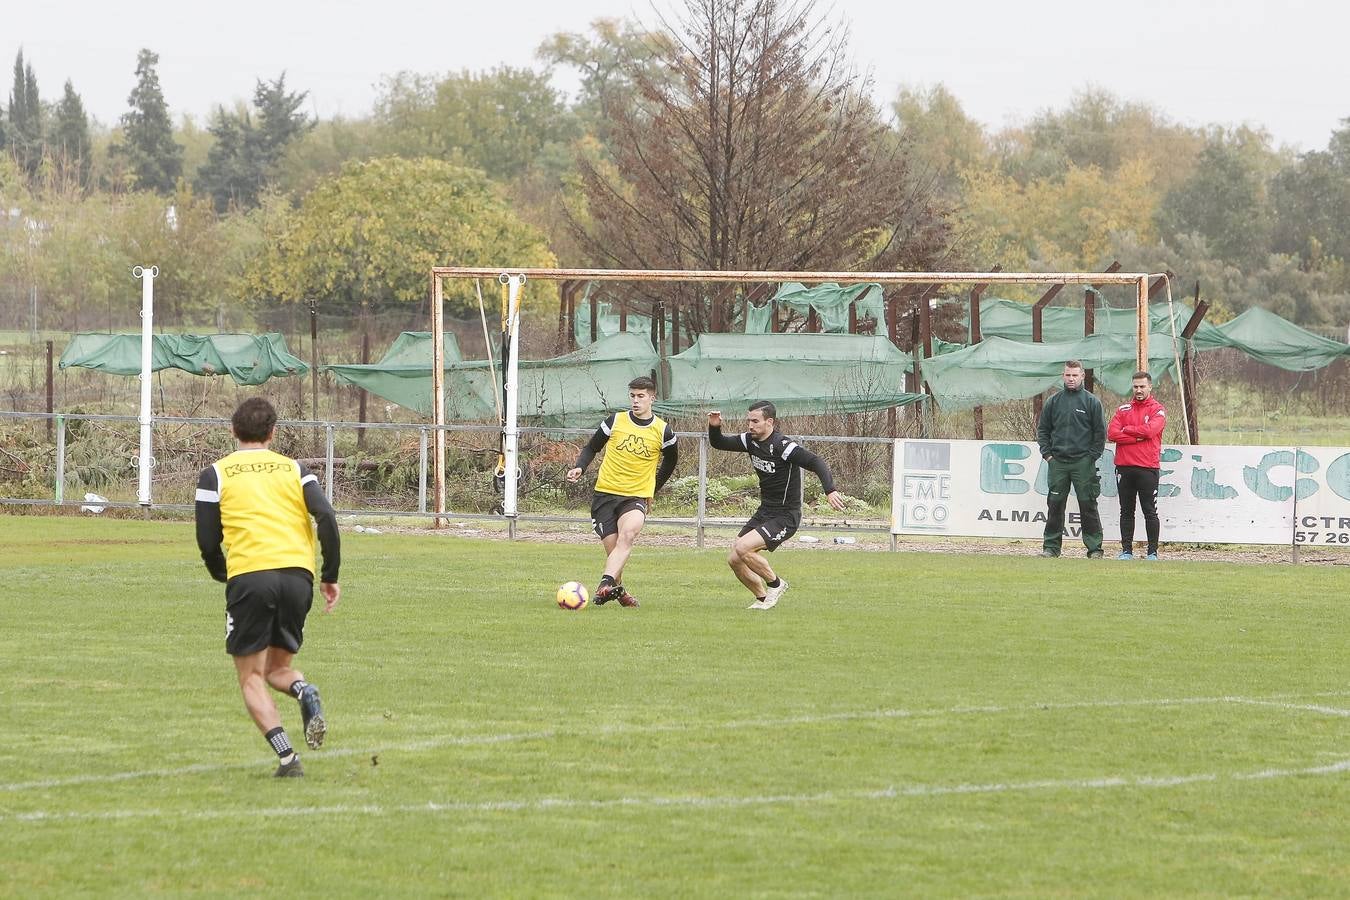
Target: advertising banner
{"x":1206,"y":494}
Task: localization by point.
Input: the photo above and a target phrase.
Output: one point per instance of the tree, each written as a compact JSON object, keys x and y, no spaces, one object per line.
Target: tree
{"x":604,"y":61}
{"x":1312,"y":202}
{"x":70,"y":136}
{"x":942,"y":138}
{"x":24,"y":134}
{"x":498,"y":121}
{"x":244,"y":158}
{"x":374,"y":232}
{"x":154,"y":159}
{"x":755,"y":148}
{"x":1225,"y":198}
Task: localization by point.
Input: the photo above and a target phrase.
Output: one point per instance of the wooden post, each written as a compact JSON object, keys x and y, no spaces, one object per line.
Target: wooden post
{"x":675,"y":328}
{"x":1089,"y":328}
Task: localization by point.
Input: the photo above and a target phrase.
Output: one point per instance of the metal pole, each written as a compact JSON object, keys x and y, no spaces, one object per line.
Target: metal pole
{"x":438,"y":394}
{"x":49,"y":389}
{"x":328,"y":461}
{"x":314,"y":360}
{"x":511,"y":383}
{"x":702,"y":486}
{"x":60,"y":458}
{"x":144,"y":460}
{"x":421,"y":470}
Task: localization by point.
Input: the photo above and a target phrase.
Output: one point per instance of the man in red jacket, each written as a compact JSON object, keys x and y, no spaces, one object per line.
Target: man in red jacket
{"x":1137,"y":429}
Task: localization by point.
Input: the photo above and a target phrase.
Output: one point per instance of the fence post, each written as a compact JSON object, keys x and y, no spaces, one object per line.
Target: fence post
{"x":328,"y":460}
{"x":702,"y":486}
{"x":60,"y":458}
{"x":422,"y":469}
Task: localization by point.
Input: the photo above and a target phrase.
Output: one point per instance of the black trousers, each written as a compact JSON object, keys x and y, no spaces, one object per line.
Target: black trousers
{"x":1138,"y":482}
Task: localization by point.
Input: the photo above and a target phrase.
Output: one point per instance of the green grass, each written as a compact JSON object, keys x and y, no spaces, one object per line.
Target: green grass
{"x":912,"y":724}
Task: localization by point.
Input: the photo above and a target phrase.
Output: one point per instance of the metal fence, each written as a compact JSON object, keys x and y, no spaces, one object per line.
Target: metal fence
{"x":383,"y":470}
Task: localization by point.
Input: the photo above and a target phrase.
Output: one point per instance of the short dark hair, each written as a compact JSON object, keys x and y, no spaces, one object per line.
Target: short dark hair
{"x":1142,"y":374}
{"x":1073,"y":364}
{"x":770,"y":411}
{"x":254,"y":420}
{"x":642,"y":383}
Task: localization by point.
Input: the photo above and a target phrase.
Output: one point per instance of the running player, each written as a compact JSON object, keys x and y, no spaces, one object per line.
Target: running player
{"x":778,"y":461}
{"x":258,"y":503}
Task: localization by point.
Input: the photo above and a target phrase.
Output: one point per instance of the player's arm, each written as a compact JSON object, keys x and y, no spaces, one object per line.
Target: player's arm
{"x":800,"y":456}
{"x":210,"y":533}
{"x":1043,"y":428}
{"x":719,"y":440}
{"x":593,"y":446}
{"x":1118,"y":432}
{"x":670,"y":455}
{"x":1155,"y":425}
{"x":330,"y":541}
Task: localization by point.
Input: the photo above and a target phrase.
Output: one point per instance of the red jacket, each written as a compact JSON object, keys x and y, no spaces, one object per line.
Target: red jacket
{"x":1137,"y":429}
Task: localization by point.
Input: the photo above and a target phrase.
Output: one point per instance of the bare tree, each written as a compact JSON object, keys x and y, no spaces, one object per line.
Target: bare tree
{"x":750,"y":143}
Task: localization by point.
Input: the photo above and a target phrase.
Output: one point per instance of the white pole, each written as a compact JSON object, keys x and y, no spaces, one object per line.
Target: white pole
{"x":144,"y":460}
{"x":511,"y":382}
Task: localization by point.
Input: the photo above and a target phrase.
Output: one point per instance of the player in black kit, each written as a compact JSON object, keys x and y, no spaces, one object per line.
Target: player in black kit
{"x":778,"y":461}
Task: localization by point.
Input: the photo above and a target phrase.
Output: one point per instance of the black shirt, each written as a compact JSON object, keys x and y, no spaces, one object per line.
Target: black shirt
{"x":778,"y":461}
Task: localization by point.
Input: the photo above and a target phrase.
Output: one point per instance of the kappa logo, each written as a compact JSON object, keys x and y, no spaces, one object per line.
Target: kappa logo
{"x":635,"y":445}
{"x":264,"y":467}
{"x":229,"y":625}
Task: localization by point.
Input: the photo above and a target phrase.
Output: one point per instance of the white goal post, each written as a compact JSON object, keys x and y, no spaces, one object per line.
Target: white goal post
{"x":516,"y":277}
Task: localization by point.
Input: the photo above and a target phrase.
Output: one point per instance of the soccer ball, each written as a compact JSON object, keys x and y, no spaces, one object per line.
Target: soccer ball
{"x":573,"y":595}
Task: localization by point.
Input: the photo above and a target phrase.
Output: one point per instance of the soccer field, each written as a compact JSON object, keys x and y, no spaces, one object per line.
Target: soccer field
{"x":901,"y":724}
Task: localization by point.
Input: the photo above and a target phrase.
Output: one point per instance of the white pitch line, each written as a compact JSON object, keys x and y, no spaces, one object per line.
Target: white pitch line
{"x":549,"y":804}
{"x":432,"y":743}
{"x":1300,"y":707}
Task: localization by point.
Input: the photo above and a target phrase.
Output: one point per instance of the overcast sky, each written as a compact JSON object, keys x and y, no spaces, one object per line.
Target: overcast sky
{"x":1281,"y":66}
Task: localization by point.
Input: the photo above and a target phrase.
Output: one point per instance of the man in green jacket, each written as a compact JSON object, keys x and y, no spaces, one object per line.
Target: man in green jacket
{"x":1072,"y":436}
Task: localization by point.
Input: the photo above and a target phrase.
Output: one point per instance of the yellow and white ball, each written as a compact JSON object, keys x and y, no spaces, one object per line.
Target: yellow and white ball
{"x":573,"y":595}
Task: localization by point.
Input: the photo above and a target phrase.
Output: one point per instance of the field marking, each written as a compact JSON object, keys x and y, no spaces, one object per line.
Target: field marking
{"x":1277,"y":701}
{"x":690,"y":801}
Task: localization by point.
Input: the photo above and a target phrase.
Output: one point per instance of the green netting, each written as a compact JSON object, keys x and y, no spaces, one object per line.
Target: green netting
{"x":1012,"y":320}
{"x":247,"y":358}
{"x":802,"y":374}
{"x":414,"y":348}
{"x":830,"y":301}
{"x":1279,"y":342}
{"x":606,"y":320}
{"x":998,"y":370}
{"x":569,"y":390}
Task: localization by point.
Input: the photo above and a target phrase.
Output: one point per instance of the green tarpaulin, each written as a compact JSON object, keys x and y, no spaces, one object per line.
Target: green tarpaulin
{"x":830,"y":301}
{"x":1279,"y":342}
{"x":247,"y":358}
{"x":414,"y":348}
{"x":1012,"y":320}
{"x":802,"y":374}
{"x":568,"y":390}
{"x":998,"y":370}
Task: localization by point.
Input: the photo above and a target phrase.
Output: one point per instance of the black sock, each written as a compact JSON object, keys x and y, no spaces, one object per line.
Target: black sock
{"x":775,"y":583}
{"x":281,"y":744}
{"x":607,"y":579}
{"x":296,"y":687}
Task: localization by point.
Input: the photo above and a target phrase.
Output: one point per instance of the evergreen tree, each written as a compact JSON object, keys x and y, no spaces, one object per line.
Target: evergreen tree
{"x":244,"y":157}
{"x":70,"y":137}
{"x":154,"y":158}
{"x":25,"y":117}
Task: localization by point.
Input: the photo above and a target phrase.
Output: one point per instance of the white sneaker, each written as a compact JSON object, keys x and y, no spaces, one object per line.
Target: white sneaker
{"x":771,"y":596}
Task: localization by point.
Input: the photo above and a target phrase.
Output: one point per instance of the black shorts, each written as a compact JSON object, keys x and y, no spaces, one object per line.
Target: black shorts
{"x":775,"y":526}
{"x":267,"y":609}
{"x":607,"y":508}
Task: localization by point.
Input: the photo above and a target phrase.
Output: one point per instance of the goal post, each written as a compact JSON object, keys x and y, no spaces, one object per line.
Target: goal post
{"x":516,"y":277}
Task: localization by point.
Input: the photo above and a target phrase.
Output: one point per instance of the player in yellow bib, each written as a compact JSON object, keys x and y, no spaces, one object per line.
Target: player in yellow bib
{"x":258,"y":504}
{"x":640,"y":455}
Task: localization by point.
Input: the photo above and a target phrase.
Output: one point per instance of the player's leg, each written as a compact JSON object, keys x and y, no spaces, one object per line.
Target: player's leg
{"x":745,"y":560}
{"x":1148,"y":502}
{"x":295,"y":597}
{"x":1126,"y":490}
{"x":1087,"y":486}
{"x":1056,"y":500}
{"x":630,"y":526}
{"x":252,"y":672}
